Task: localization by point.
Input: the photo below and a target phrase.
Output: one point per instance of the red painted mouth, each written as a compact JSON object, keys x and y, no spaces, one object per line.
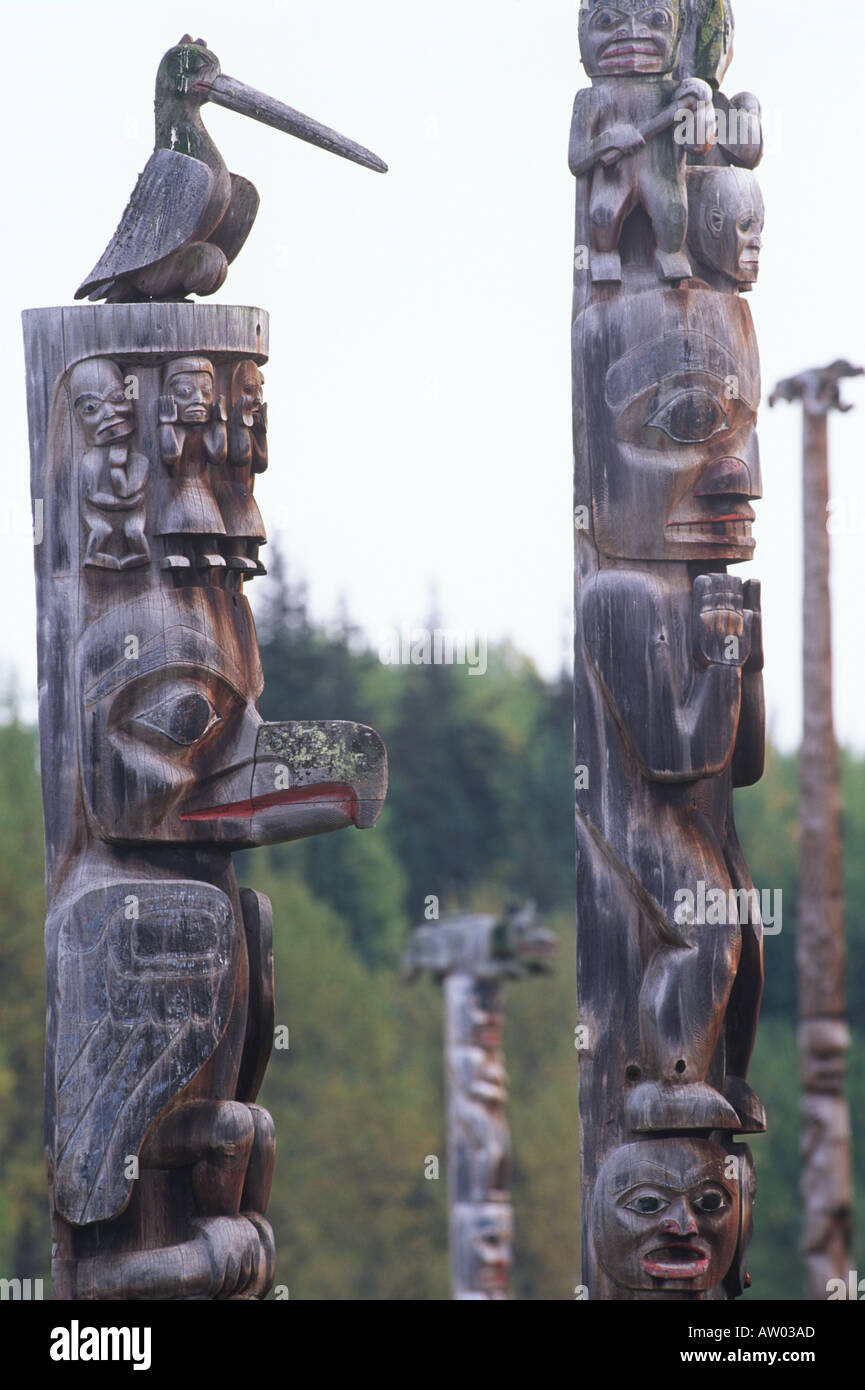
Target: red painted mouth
{"x":680,"y":1259}
{"x":627,"y":48}
{"x":336,"y":794}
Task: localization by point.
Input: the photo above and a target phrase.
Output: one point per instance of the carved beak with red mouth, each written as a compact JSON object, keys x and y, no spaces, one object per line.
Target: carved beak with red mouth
{"x":304,"y":779}
{"x":717,"y":511}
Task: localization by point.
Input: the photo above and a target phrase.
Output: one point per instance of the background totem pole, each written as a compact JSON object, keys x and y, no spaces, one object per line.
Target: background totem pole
{"x":669,"y":712}
{"x":821,"y":953}
{"x":471,"y":956}
{"x":147,"y":428}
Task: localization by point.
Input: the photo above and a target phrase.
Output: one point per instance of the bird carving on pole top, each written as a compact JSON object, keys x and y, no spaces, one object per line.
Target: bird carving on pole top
{"x":188,"y":217}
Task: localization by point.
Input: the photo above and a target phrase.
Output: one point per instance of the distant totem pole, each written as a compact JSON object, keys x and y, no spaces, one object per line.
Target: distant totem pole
{"x":147,"y":428}
{"x":821,"y":949}
{"x":669,"y":713}
{"x":471,"y":956}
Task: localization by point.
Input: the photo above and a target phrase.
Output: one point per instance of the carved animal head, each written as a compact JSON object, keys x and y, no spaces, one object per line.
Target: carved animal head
{"x":668,"y":452}
{"x":181,"y":70}
{"x":707,"y":47}
{"x":630,"y":38}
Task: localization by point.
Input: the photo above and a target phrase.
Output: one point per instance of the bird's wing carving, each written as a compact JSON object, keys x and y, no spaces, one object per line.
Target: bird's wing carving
{"x":238,"y":218}
{"x":163,"y":214}
{"x":142,"y":984}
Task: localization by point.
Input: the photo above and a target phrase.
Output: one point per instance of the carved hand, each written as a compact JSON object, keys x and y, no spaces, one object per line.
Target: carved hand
{"x":618,"y":141}
{"x":167,"y":410}
{"x":722,"y":627}
{"x":753,"y":607}
{"x":695,"y":94}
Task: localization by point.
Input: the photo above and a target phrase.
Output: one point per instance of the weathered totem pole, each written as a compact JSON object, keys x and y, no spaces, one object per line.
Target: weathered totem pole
{"x":821,"y":957}
{"x":669,"y":713}
{"x":147,"y":428}
{"x":472,"y":956}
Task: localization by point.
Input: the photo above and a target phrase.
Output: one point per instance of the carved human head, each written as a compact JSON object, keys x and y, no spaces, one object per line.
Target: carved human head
{"x":666,"y":389}
{"x":725,"y":222}
{"x":630,"y":38}
{"x":190,"y":381}
{"x":666,"y":1214}
{"x":483,"y":1236}
{"x":99,"y":400}
{"x":247,"y":387}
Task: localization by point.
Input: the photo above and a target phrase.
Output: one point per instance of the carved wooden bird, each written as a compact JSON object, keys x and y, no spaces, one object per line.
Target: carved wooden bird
{"x":188,"y":216}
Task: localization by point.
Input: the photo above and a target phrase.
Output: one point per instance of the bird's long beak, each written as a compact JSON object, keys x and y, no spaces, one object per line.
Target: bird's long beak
{"x":227,"y":91}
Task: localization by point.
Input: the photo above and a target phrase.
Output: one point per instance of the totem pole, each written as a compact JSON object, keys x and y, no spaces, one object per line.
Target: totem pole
{"x":669,"y":712}
{"x":471,"y":956}
{"x":147,"y":427}
{"x":824,"y":1037}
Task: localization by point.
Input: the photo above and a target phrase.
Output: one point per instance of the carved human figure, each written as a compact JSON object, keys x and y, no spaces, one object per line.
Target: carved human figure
{"x":667,"y":1216}
{"x":113,"y":475}
{"x":725,"y":226}
{"x":672,"y":668}
{"x":622,"y":136}
{"x":192,"y":438}
{"x":482,"y":1238}
{"x":247,"y":455}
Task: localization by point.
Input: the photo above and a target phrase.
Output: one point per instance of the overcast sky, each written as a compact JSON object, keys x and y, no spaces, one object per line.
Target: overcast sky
{"x":419,"y":381}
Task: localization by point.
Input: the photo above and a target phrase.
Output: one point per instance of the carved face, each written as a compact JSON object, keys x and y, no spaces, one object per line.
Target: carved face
{"x":629,"y":37}
{"x":666,"y":1216}
{"x":667,"y":451}
{"x":248,"y":387}
{"x":725,"y":222}
{"x":190,"y":381}
{"x":173,"y":747}
{"x":99,"y":402}
{"x":824,"y":1045}
{"x":483,"y":1235}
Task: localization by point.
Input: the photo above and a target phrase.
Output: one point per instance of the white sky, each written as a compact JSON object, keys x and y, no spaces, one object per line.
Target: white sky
{"x":419,"y":382}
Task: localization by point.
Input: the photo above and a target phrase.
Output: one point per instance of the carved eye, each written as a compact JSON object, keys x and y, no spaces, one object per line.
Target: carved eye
{"x":658,"y":19}
{"x":691,"y":418}
{"x":183,"y":389}
{"x":648,"y":1204}
{"x":710,"y":1201}
{"x":91,"y":408}
{"x":185,"y":718}
{"x":605,"y":19}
